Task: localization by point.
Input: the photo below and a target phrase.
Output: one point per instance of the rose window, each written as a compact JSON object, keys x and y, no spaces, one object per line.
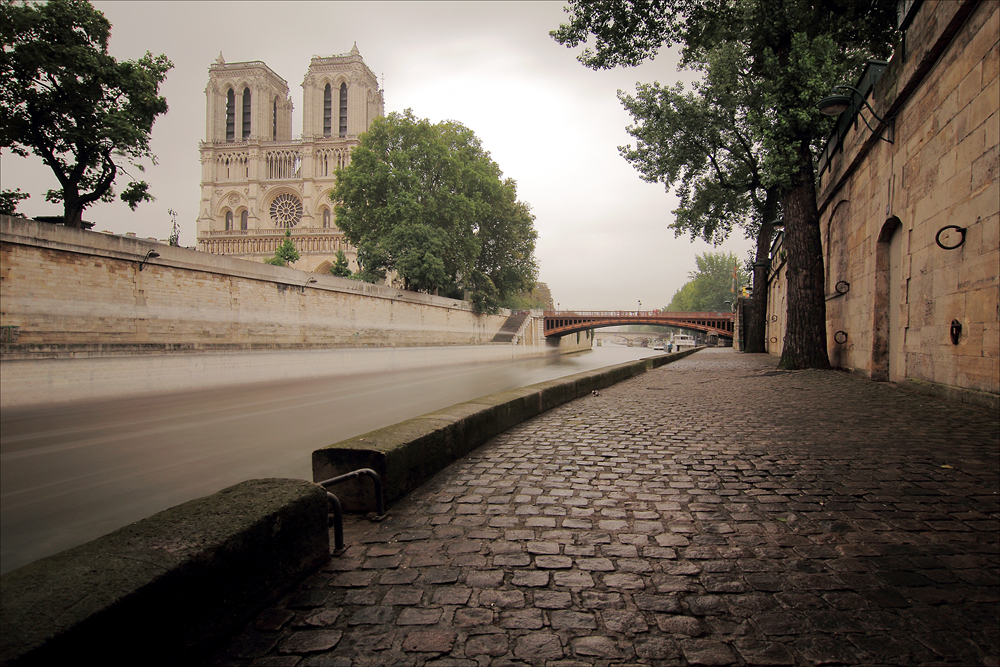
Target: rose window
{"x":286,"y":210}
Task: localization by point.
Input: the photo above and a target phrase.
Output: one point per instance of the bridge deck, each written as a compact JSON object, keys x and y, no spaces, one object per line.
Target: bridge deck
{"x":560,"y":323}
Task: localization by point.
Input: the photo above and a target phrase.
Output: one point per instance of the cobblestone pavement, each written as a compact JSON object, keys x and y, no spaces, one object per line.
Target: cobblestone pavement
{"x":715,"y":511}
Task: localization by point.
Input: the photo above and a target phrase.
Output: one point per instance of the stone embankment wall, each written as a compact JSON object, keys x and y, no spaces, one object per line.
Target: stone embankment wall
{"x":899,"y":275}
{"x":68,"y":287}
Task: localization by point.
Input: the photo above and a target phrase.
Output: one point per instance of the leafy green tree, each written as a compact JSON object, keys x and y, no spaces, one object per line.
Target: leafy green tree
{"x":795,"y":51}
{"x":703,"y":144}
{"x":286,"y":252}
{"x":9,"y":199}
{"x":63,"y":98}
{"x":340,"y":267}
{"x":710,"y":285}
{"x":426,"y":201}
{"x":538,"y":297}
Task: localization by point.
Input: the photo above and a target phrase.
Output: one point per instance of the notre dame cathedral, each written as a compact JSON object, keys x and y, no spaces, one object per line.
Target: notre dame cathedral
{"x":257,"y":181}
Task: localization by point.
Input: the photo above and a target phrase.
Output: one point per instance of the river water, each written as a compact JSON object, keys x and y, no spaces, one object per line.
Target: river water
{"x":71,"y":473}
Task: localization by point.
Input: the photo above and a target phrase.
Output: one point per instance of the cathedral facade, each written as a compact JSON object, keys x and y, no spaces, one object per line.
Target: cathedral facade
{"x":257,"y":181}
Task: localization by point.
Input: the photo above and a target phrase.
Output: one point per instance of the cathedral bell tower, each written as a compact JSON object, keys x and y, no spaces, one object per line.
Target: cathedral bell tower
{"x":257,"y":181}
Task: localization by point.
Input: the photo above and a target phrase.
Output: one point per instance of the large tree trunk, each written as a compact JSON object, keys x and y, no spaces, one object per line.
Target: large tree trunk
{"x":757,"y":324}
{"x":805,"y":333}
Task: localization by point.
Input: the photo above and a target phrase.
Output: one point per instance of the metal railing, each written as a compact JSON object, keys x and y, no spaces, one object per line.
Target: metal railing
{"x":337,"y":510}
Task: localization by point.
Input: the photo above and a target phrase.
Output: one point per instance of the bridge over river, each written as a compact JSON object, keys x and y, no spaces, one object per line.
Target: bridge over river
{"x":560,"y":323}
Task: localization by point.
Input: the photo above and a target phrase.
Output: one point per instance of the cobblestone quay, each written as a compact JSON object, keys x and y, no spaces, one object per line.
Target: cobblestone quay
{"x":715,"y":511}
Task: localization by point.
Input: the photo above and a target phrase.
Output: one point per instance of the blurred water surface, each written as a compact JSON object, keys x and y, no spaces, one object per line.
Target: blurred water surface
{"x":72,"y":472}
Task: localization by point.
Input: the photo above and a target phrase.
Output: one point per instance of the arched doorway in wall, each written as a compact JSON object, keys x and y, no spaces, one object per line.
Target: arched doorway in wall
{"x":887,"y":335}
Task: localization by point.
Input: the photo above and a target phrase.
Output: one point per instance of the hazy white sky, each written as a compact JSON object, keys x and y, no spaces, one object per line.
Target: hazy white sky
{"x":549,"y":122}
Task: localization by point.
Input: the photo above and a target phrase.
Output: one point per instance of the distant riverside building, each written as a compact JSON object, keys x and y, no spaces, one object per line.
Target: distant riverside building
{"x":257,"y":181}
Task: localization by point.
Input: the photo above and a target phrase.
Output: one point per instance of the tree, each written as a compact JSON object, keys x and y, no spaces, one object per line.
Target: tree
{"x":704,"y":145}
{"x":538,"y":297}
{"x":340,"y":267}
{"x":426,"y":201}
{"x":9,"y":199}
{"x":796,"y":50}
{"x":710,"y":286}
{"x":63,"y":98}
{"x":286,"y":252}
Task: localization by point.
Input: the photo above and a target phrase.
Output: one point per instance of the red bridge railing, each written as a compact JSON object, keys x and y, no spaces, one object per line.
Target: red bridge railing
{"x":560,"y":323}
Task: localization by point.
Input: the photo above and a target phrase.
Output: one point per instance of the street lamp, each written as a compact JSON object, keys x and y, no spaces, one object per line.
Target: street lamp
{"x":834,"y":105}
{"x":640,"y":308}
{"x":149,"y":255}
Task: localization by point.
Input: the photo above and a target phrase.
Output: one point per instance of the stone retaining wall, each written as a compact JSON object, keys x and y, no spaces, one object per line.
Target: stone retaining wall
{"x":163,"y":590}
{"x":408,"y":453}
{"x":71,"y":287}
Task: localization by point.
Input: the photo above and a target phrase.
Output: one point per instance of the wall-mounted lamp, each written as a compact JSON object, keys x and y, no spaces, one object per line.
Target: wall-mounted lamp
{"x":308,"y":282}
{"x":150,"y":254}
{"x":834,"y":105}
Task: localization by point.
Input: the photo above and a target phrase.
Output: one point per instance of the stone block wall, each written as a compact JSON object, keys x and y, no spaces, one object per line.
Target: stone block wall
{"x":878,"y":198}
{"x":62,"y":288}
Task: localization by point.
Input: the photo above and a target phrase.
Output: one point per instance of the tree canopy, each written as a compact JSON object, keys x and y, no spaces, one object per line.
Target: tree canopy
{"x":285,"y":253}
{"x":426,"y":201}
{"x":63,"y":98}
{"x":794,"y":51}
{"x":705,"y":145}
{"x":538,"y":297}
{"x":710,"y":285}
{"x":341,"y":268}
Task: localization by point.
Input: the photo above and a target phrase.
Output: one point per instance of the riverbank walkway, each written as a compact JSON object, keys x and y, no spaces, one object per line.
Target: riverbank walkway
{"x":714,"y":511}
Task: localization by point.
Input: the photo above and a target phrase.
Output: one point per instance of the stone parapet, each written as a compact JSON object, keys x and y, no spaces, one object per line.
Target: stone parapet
{"x":163,"y":590}
{"x":408,"y":453}
{"x":74,"y":287}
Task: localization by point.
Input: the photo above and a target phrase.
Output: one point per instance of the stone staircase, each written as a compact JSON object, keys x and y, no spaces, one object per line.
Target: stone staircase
{"x":510,"y":328}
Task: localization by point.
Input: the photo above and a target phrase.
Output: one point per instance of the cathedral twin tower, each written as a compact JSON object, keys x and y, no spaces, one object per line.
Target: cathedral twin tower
{"x":257,"y":182}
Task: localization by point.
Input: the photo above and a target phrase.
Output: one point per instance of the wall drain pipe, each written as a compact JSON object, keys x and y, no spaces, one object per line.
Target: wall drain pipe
{"x":338,"y":512}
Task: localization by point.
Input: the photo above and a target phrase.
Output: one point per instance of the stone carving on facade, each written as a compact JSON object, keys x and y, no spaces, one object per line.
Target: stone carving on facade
{"x":286,"y":178}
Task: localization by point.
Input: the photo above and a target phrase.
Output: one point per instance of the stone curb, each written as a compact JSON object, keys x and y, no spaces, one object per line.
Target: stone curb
{"x":406,"y":454}
{"x":164,"y":590}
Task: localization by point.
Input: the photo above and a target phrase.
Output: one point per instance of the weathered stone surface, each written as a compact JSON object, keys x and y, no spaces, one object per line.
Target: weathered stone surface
{"x":868,"y":566}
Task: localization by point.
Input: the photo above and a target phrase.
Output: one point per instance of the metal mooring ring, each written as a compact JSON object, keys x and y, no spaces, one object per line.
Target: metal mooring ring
{"x":840,"y":337}
{"x":961,"y":242}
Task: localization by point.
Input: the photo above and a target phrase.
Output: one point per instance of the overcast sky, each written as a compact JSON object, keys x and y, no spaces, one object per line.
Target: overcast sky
{"x":549,"y":122}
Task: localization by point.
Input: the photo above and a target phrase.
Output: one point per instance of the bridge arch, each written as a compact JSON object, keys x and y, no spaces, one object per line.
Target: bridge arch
{"x":558,"y":324}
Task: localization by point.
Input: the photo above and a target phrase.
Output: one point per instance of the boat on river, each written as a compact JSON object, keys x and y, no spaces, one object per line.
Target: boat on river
{"x":683,"y":342}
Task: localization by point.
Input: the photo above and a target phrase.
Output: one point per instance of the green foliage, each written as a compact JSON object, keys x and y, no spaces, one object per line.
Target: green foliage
{"x":175,"y":232}
{"x":286,"y":252}
{"x":704,"y":144}
{"x":710,"y":286}
{"x":9,"y":199}
{"x":426,"y":201}
{"x":791,"y":52}
{"x":341,"y":268}
{"x":63,"y":98}
{"x":538,"y":297}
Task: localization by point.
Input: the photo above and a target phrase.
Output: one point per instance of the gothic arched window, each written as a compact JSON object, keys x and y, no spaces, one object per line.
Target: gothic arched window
{"x":343,"y":109}
{"x":246,"y":113}
{"x":274,"y":120}
{"x":229,"y":221}
{"x":243,"y":220}
{"x":230,"y":115}
{"x":326,"y":218}
{"x":327,"y":111}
